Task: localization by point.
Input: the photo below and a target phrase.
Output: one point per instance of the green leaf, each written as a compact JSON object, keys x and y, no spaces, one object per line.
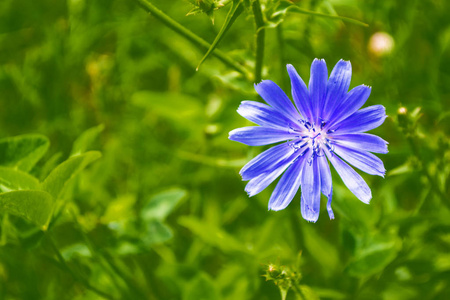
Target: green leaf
{"x":163,"y":104}
{"x":373,"y":254}
{"x":57,"y":180}
{"x":23,"y":151}
{"x":212,"y":161}
{"x":35,"y":206}
{"x":202,"y":288}
{"x":80,"y":250}
{"x":50,"y":164}
{"x":212,"y":235}
{"x":160,"y":205}
{"x":119,"y":209}
{"x":319,"y":248}
{"x":86,"y":139}
{"x":235,"y":10}
{"x":157,"y":233}
{"x":308,"y":293}
{"x":13,"y":180}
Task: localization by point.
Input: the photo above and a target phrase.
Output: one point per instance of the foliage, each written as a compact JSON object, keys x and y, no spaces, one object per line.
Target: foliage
{"x":118,"y":181}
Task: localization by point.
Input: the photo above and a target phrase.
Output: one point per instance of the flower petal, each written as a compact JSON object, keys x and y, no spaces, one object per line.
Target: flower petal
{"x":288,"y":186}
{"x":317,"y":86}
{"x":351,"y":103}
{"x":259,"y":183}
{"x":326,"y":185}
{"x":263,"y":114}
{"x":365,"y":161}
{"x":258,"y":136}
{"x":275,"y":97}
{"x":337,"y":87}
{"x":310,"y":199}
{"x":300,"y":94}
{"x":266,"y":160}
{"x":361,"y":141}
{"x":354,"y":182}
{"x":363,"y":120}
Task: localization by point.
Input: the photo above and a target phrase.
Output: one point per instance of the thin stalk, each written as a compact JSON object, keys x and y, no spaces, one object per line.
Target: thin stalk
{"x":282,"y":66}
{"x":260,"y":37}
{"x":298,"y":290}
{"x":76,"y":277}
{"x":133,"y":290}
{"x":189,"y":35}
{"x":433,"y":181}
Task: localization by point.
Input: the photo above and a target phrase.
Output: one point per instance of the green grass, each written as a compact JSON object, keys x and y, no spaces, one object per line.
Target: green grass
{"x":162,"y":214}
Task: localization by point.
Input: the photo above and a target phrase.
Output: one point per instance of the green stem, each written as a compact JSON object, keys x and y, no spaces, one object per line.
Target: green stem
{"x":76,"y":277}
{"x":133,"y":290}
{"x":433,"y":181}
{"x":189,"y":35}
{"x":298,"y":290}
{"x":280,"y":39}
{"x":260,"y":36}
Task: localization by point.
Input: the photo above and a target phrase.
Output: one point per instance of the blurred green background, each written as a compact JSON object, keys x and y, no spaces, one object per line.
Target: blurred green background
{"x":163,"y":213}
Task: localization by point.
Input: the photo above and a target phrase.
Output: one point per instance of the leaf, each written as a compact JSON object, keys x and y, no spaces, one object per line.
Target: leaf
{"x":324,"y":252}
{"x":157,"y":233}
{"x":212,"y":161}
{"x":212,"y":235}
{"x":235,"y":10}
{"x":308,"y":293}
{"x":23,"y":151}
{"x":373,"y":254}
{"x":119,"y":209}
{"x":63,"y":173}
{"x":84,"y":141}
{"x":49,"y":165}
{"x":160,"y":205}
{"x":13,"y":180}
{"x":202,"y":288}
{"x":183,"y":110}
{"x":80,"y":250}
{"x":35,"y":206}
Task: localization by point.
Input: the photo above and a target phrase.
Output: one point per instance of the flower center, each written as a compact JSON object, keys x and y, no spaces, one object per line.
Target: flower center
{"x":311,"y":137}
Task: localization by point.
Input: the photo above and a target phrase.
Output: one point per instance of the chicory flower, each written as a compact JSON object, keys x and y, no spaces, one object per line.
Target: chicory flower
{"x":326,"y":124}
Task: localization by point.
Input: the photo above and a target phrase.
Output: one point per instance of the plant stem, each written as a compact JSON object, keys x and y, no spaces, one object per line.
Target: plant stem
{"x":76,"y":277}
{"x":260,"y":36}
{"x":107,"y":263}
{"x":189,"y":35}
{"x":432,"y":180}
{"x":280,"y":40}
{"x":298,"y":290}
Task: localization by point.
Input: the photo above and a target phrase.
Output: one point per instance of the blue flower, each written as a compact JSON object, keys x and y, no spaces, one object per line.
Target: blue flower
{"x":325,"y":123}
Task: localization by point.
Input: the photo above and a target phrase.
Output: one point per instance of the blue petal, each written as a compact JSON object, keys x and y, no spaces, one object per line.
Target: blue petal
{"x":263,"y":114}
{"x":363,"y":120}
{"x":310,"y":199}
{"x":326,"y":183}
{"x":266,"y":161}
{"x":354,"y":182}
{"x":275,"y":97}
{"x":351,"y":103}
{"x":258,"y":136}
{"x":337,"y":87}
{"x":361,"y":141}
{"x":259,"y":183}
{"x":300,"y":94}
{"x":287,"y":187}
{"x":365,"y":161}
{"x":317,"y":87}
